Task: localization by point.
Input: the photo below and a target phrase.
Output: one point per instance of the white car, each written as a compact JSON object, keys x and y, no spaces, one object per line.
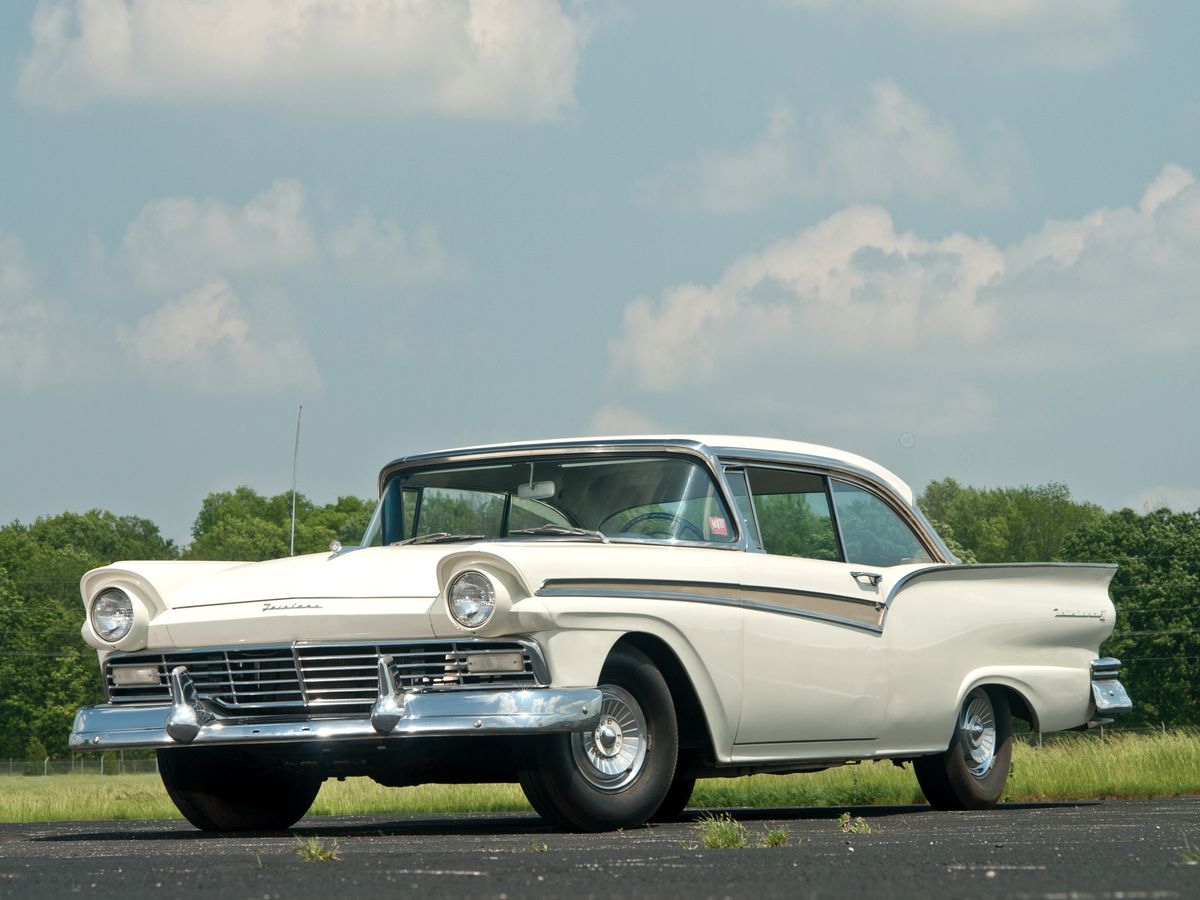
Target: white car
{"x":604,"y":621}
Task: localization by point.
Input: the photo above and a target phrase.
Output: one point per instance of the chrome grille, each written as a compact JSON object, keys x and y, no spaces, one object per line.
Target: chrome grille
{"x":319,"y":677}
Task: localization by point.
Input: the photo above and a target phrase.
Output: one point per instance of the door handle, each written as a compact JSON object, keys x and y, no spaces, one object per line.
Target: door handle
{"x":871,"y":578}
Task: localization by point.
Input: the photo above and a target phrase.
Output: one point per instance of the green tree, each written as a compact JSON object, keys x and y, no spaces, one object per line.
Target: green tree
{"x":46,"y":671}
{"x":1021,"y":524}
{"x":1157,"y":594}
{"x":245,"y":525}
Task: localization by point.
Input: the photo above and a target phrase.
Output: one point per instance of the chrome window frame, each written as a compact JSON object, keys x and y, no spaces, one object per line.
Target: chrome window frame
{"x":695,"y":450}
{"x":910,"y":514}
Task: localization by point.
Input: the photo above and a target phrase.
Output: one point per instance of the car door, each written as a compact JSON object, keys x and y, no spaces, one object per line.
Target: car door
{"x":816,"y":669}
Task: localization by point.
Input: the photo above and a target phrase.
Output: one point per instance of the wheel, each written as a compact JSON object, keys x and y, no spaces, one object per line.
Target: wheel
{"x":617,"y":775}
{"x":678,"y":527}
{"x":676,"y":800}
{"x":973,"y":770}
{"x":231,"y":790}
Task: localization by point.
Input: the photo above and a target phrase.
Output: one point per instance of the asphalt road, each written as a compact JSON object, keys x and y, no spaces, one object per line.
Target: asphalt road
{"x":1127,"y":850}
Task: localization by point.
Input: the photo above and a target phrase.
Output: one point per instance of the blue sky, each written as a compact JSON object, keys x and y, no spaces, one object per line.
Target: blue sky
{"x":962,"y":239}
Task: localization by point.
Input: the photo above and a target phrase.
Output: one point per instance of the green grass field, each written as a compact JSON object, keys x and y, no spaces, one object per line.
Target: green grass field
{"x":1069,"y":768}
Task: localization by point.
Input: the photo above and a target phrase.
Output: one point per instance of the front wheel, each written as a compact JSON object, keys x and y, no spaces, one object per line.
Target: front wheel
{"x":618,"y":774}
{"x":220,"y":789}
{"x":972,"y":772}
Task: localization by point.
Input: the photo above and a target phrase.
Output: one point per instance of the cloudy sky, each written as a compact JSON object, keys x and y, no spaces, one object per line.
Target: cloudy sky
{"x":960,"y":238}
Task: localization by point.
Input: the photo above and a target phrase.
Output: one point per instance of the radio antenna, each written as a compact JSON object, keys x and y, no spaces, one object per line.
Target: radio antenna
{"x":295,"y":457}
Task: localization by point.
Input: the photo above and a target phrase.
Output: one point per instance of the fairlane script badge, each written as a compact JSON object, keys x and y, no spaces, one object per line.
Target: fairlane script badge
{"x":1073,"y":614}
{"x":278,"y":607}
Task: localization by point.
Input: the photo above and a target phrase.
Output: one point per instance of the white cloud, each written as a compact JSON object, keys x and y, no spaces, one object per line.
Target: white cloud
{"x":1060,"y":34}
{"x":733,"y":181}
{"x":894,"y":146}
{"x":40,"y":341}
{"x":858,"y":324}
{"x":458,"y":58}
{"x":180,"y":240}
{"x":206,"y":340}
{"x":849,"y":282}
{"x":374,"y":250}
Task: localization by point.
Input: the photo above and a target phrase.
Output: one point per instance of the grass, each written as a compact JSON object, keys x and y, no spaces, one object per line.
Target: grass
{"x":1190,"y":854}
{"x":854,"y":826}
{"x":315,"y":850}
{"x":722,"y":832}
{"x":1066,"y":768}
{"x":775,"y":838}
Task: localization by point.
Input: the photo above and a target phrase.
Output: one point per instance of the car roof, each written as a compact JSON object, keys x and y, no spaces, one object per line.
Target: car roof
{"x":723,"y":445}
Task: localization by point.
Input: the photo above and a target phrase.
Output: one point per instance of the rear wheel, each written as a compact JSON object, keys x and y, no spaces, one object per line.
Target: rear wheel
{"x":973,"y":770}
{"x":618,"y":774}
{"x":220,"y":789}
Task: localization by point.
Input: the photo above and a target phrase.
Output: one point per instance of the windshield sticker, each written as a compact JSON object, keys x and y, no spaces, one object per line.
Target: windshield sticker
{"x":716,"y":524}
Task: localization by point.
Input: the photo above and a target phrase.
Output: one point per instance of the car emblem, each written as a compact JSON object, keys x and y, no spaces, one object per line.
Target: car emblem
{"x":279,"y":607}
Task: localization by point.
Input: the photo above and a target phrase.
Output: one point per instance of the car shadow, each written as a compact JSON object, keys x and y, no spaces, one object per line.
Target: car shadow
{"x":510,"y":824}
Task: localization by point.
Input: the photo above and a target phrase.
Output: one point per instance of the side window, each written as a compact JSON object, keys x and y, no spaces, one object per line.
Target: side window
{"x":741,"y":497}
{"x":872,"y":532}
{"x":793,"y":513}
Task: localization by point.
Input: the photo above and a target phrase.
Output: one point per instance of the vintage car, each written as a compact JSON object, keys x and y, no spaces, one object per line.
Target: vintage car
{"x":603,"y":621}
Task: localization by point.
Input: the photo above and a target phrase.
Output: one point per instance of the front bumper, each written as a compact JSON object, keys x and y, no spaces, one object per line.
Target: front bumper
{"x":189,"y":720}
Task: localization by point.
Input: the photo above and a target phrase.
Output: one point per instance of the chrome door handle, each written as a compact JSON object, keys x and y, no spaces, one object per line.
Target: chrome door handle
{"x":871,"y":578}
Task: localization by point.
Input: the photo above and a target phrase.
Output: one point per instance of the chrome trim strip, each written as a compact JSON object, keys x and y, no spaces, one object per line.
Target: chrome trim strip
{"x":528,"y":711}
{"x":820,"y":617}
{"x":866,"y":609}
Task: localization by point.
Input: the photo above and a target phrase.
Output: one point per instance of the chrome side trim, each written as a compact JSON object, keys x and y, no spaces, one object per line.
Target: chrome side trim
{"x":837,"y":609}
{"x":529,"y":711}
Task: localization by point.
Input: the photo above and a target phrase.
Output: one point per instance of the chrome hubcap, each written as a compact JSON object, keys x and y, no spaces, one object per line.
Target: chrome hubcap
{"x":977,"y":728}
{"x":611,"y":756}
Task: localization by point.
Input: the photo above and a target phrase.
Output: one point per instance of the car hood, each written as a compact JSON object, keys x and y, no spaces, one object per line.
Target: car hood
{"x":368,"y":572}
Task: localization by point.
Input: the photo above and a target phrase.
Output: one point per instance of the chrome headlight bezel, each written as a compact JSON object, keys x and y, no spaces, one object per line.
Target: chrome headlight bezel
{"x":114,"y":607}
{"x":471,"y":599}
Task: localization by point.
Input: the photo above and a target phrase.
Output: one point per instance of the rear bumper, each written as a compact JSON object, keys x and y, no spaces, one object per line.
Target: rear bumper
{"x":187,"y":722}
{"x":1108,"y":693}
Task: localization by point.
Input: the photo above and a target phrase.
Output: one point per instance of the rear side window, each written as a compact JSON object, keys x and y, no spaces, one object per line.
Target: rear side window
{"x":872,"y":532}
{"x":793,"y":513}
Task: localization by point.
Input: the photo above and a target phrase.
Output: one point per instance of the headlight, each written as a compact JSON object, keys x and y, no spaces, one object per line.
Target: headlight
{"x":472,"y":599}
{"x":112,"y":615}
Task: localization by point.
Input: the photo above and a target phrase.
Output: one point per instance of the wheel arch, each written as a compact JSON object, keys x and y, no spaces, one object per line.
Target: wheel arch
{"x":695,"y":731}
{"x":1015,"y":691}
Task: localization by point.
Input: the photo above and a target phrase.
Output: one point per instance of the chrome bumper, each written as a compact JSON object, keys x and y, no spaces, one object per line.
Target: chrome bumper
{"x":1107,"y":692}
{"x":189,"y":720}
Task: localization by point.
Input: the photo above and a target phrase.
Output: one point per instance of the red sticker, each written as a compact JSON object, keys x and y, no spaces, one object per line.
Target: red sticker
{"x":717,"y":526}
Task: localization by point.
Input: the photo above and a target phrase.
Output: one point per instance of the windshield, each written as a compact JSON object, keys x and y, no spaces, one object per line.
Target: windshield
{"x":666,"y":498}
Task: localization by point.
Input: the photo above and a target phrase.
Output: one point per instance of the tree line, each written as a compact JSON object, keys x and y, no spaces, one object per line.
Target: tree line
{"x":47,"y":672}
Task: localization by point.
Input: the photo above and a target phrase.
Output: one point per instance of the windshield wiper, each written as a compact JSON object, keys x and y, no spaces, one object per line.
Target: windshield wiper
{"x":552,"y":528}
{"x":439,"y":537}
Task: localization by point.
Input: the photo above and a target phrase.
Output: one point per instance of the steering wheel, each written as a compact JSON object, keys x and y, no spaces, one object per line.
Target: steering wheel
{"x":678,"y":528}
